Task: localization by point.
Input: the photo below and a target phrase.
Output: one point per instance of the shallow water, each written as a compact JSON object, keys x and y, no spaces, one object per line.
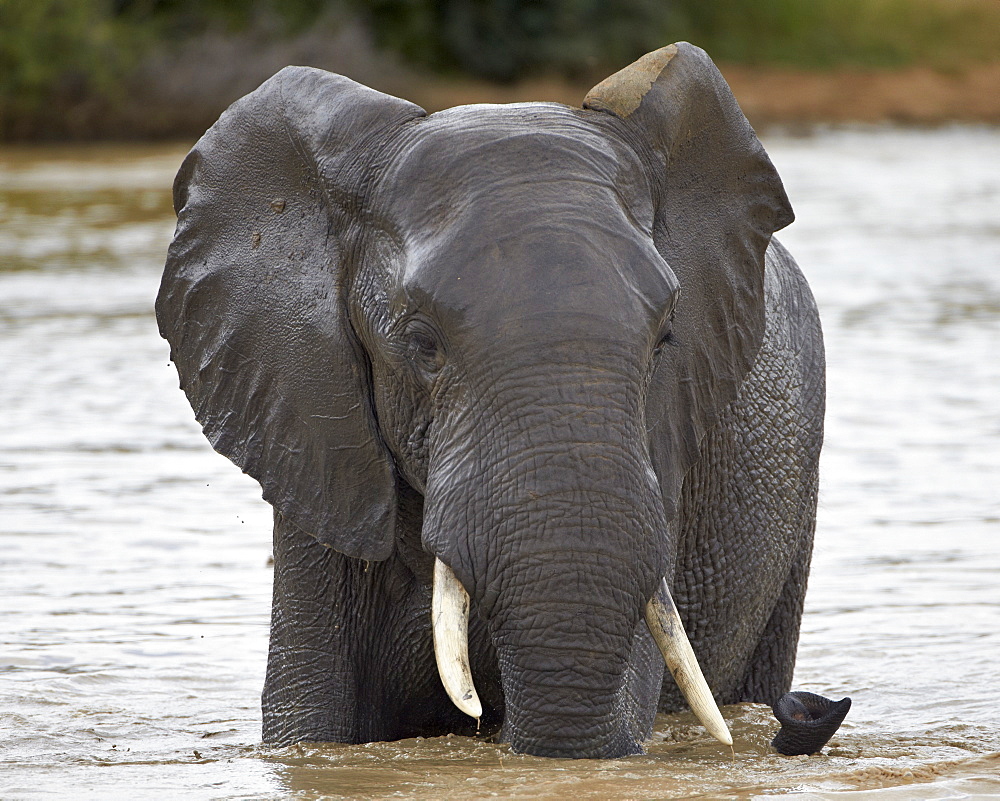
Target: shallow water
{"x":134,"y":568}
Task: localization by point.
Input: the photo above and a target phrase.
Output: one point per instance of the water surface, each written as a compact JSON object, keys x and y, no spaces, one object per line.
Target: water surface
{"x":134,"y":561}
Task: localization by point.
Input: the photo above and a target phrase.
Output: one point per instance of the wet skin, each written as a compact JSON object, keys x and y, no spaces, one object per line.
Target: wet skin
{"x":556,"y":349}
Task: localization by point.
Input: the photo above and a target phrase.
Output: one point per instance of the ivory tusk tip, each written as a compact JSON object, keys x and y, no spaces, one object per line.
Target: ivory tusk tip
{"x":470,"y":704}
{"x":723,"y":736}
{"x":471,"y":707}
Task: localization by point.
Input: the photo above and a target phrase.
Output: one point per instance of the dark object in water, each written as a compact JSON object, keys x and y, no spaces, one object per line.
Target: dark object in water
{"x":808,"y":721}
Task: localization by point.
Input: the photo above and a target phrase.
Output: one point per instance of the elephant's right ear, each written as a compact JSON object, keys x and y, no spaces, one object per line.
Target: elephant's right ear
{"x":253,"y":301}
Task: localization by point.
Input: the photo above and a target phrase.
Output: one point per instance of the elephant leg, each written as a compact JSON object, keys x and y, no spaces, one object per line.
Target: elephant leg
{"x":740,"y":540}
{"x":351,"y":654}
{"x":311,"y":691}
{"x":769,"y":675}
{"x":747,"y":513}
{"x":789,"y":377}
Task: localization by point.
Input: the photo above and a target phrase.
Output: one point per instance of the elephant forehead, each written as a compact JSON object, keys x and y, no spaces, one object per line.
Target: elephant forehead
{"x":529,"y":157}
{"x":524,"y":218}
{"x":540,"y":276}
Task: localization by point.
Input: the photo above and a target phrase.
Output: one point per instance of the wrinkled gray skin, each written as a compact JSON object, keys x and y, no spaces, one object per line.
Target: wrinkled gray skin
{"x":455,"y":336}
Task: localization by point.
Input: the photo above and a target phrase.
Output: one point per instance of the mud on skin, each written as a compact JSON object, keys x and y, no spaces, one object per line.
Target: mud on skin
{"x":552,"y":356}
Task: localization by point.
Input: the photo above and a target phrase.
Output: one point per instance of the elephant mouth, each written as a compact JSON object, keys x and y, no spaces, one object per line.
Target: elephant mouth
{"x":450,"y":618}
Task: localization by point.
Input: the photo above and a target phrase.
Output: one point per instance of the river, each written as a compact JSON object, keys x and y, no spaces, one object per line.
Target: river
{"x":134,"y":561}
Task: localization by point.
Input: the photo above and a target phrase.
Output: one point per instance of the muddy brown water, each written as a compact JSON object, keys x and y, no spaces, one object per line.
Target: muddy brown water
{"x":133,"y":560}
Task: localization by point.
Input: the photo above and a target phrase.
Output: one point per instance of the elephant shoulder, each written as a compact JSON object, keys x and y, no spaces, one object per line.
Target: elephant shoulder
{"x":793,"y":332}
{"x":785,"y":389}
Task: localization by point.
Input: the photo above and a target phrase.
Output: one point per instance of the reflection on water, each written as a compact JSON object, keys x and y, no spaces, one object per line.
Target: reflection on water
{"x":134,"y":560}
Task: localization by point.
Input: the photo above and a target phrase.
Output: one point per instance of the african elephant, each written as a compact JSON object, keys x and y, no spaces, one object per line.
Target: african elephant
{"x":546,"y":360}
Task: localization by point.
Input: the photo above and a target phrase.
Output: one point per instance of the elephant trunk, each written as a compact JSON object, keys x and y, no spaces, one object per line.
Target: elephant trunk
{"x":560,"y":544}
{"x":564,"y":673}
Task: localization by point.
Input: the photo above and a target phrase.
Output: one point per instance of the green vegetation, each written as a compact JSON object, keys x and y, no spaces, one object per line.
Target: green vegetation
{"x":509,"y":39}
{"x":77,"y":57}
{"x":184,"y":17}
{"x":64,"y":57}
{"x":52,"y":51}
{"x":823,"y":34}
{"x":505,"y":39}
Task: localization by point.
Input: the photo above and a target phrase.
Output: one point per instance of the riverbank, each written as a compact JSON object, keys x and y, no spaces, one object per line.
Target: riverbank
{"x":135,"y":70}
{"x":775,"y":96}
{"x":184,"y":104}
{"x":914,"y":96}
{"x":176,"y":91}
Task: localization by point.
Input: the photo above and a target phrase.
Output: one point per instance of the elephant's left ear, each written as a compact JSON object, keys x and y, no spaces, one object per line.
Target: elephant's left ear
{"x":253,"y":300}
{"x":717,"y":200}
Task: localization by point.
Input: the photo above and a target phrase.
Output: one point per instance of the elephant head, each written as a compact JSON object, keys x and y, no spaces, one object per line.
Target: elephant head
{"x":530,"y":314}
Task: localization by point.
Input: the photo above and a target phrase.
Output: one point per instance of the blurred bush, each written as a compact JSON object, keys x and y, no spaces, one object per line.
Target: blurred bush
{"x":187,"y":17}
{"x":821,"y":34}
{"x":57,"y":53}
{"x":67,"y":65}
{"x":509,"y":39}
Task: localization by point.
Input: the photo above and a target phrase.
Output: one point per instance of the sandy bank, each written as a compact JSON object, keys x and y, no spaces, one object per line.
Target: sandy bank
{"x":770,"y":96}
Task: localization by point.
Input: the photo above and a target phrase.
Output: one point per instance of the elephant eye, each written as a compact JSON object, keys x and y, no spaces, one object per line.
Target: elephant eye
{"x":666,"y":336}
{"x":667,"y":327}
{"x":665,"y":340}
{"x":422,"y":349}
{"x":422,"y":342}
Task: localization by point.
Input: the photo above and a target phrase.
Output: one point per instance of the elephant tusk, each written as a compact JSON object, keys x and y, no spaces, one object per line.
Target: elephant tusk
{"x":450,"y":618}
{"x":668,"y":631}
